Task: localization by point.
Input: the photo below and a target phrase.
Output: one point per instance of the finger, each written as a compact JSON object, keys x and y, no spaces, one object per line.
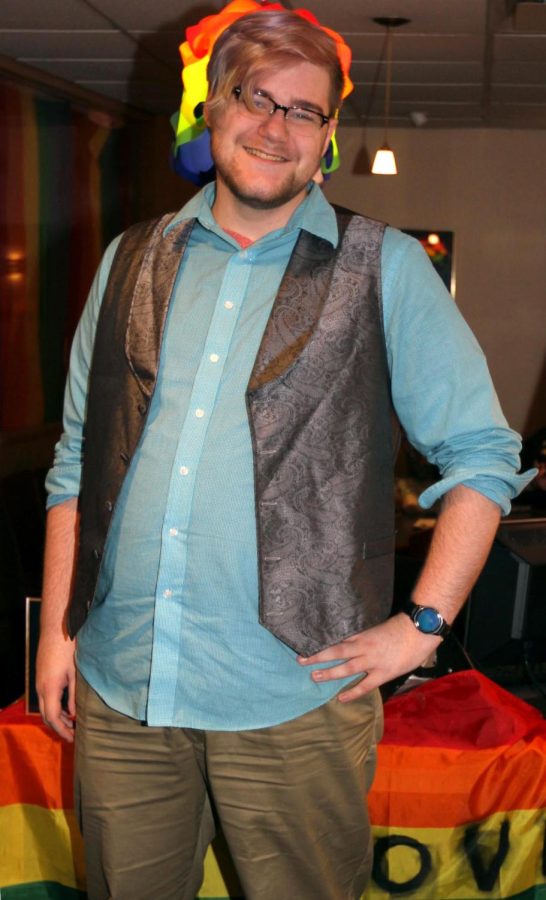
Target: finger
{"x":344,"y":670}
{"x":336,"y":652}
{"x":365,"y":686}
{"x":64,"y":728}
{"x":72,"y":696}
{"x":56,"y":719}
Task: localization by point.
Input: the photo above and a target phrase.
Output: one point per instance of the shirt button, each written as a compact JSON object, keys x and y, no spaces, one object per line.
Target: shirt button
{"x":184,"y":470}
{"x":199,"y":413}
{"x":168,"y":593}
{"x":214,"y":357}
{"x":173,"y":532}
{"x":228,"y":304}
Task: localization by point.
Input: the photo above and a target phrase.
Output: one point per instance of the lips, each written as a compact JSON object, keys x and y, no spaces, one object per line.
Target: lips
{"x":261,"y":154}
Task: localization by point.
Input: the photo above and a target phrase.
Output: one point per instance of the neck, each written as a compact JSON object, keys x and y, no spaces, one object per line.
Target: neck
{"x":233,"y":214}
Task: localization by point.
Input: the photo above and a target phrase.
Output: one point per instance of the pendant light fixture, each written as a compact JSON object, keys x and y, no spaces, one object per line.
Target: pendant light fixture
{"x":384,"y":162}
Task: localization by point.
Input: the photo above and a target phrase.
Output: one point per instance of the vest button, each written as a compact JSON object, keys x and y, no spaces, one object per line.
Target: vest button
{"x":142,"y":408}
{"x":96,"y":553}
{"x":124,"y":456}
{"x":108,"y":505}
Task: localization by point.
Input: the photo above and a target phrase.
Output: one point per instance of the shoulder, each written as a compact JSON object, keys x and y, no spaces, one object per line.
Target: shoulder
{"x":396,"y":243}
{"x":347,"y":215}
{"x":357,"y":231}
{"x":141,"y":232}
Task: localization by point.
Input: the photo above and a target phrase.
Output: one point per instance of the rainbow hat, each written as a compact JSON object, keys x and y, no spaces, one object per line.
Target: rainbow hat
{"x":191,"y":156}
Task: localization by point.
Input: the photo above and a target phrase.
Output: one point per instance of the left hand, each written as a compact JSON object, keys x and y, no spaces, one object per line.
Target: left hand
{"x":381,"y":653}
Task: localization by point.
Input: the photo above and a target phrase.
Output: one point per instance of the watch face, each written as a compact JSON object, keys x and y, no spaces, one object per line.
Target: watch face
{"x":428,"y":620}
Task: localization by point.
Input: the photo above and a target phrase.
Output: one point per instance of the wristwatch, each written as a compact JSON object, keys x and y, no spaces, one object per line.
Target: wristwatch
{"x":426,"y":619}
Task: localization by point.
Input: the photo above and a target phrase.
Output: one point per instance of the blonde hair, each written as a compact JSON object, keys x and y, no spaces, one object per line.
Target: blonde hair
{"x":266,"y":40}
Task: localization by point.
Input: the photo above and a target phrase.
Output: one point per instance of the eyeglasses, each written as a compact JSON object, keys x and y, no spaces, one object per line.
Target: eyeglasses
{"x":262,"y":105}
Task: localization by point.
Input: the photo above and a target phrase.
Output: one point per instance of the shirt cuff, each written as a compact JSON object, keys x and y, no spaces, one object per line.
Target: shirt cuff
{"x":57,"y":499}
{"x":499,"y":489}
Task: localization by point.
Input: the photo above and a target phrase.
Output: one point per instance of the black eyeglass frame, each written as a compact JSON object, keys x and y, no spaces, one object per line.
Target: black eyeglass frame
{"x":238,"y":92}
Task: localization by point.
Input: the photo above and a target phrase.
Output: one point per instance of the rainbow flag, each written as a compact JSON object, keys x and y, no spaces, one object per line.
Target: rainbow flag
{"x":41,"y":853}
{"x":64,"y":188}
{"x":458,"y":805}
{"x":459,"y":800}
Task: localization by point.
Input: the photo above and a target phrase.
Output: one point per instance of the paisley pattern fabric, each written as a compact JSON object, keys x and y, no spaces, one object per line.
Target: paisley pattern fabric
{"x":319,"y":405}
{"x":321,"y":420}
{"x":121,"y":382}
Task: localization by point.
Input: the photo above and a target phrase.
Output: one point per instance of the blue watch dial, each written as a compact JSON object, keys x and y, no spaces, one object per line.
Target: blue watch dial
{"x":428,"y":620}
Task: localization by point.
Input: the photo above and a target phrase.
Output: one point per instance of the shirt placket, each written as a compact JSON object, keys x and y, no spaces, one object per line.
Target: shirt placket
{"x":167,"y":646}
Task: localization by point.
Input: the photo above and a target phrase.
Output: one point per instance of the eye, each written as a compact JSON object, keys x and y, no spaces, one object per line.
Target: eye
{"x":260,"y":101}
{"x":302,"y":115}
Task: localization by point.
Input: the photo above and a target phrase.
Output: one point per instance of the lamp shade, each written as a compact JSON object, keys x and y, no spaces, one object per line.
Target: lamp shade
{"x":384,"y":162}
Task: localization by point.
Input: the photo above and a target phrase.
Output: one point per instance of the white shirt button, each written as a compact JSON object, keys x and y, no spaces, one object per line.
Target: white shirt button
{"x":228,"y":304}
{"x":168,"y":593}
{"x":199,"y":413}
{"x":214,"y":357}
{"x":173,"y":532}
{"x":184,"y":470}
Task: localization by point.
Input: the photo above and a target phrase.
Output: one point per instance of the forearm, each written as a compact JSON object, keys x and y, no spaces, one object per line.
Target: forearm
{"x":55,"y":668}
{"x":462,"y":538}
{"x":59,"y":565}
{"x":460,"y":545}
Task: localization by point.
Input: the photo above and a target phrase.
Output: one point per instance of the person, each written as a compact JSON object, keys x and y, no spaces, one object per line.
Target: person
{"x":220,"y":525}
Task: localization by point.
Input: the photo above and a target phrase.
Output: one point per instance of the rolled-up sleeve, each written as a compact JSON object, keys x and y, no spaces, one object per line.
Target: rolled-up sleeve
{"x":64,"y":478}
{"x":441,"y":388}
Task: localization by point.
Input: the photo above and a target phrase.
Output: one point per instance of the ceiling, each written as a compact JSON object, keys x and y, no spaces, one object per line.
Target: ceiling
{"x":460,"y":63}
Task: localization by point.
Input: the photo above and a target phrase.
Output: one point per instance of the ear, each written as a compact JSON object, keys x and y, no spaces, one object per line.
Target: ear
{"x":331,"y":127}
{"x":206,"y":113}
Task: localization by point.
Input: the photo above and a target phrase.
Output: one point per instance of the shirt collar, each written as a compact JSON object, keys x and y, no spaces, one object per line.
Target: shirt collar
{"x":314,"y":214}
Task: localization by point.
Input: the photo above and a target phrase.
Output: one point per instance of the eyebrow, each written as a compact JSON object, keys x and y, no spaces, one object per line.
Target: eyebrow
{"x":300,"y":103}
{"x":307,"y":104}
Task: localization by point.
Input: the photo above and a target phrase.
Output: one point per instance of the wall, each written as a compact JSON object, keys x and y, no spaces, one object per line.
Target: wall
{"x":64,"y":193}
{"x":156,"y":188}
{"x":489,"y":187}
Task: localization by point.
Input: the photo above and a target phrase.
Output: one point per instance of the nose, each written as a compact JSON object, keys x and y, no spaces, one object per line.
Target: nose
{"x":274,"y":125}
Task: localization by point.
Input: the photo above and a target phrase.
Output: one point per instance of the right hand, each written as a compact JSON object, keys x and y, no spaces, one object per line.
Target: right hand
{"x":55,"y":671}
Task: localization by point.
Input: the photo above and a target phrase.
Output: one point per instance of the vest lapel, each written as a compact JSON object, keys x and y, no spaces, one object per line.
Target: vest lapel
{"x":151,"y":298}
{"x":297,"y":306}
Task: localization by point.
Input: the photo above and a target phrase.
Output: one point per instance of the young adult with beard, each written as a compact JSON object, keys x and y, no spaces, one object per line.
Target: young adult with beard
{"x":220,"y":530}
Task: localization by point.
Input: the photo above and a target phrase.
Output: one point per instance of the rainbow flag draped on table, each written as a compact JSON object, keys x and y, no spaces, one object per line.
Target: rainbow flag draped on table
{"x":459,"y":800}
{"x":458,"y":805}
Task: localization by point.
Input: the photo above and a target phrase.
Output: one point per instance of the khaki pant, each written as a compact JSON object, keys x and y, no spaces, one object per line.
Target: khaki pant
{"x":290,"y":800}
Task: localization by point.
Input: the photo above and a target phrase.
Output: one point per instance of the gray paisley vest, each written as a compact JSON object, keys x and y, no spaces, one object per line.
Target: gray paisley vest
{"x":321,"y":420}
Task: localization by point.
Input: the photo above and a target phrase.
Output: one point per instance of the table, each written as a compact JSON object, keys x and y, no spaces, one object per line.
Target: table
{"x":458,"y":805}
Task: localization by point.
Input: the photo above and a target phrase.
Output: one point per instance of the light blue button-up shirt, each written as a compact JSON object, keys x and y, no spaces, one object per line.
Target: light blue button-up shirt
{"x":173,"y":636}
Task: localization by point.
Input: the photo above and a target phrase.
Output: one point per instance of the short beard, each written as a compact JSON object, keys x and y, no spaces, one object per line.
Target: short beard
{"x":285,"y":194}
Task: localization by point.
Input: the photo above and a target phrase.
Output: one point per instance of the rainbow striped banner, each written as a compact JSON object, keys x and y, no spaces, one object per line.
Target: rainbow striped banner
{"x":459,"y":800}
{"x":458,"y":804}
{"x":64,"y":188}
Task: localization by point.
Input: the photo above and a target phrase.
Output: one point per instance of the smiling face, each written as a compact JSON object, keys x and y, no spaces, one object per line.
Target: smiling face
{"x":265,"y":165}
